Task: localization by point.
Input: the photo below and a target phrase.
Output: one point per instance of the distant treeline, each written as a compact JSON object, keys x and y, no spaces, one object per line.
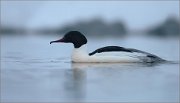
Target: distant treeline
{"x":94,"y":27}
{"x":98,"y":27}
{"x":170,"y":27}
{"x":11,"y":30}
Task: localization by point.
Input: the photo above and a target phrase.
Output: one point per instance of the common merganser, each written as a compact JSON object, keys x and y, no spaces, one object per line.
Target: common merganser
{"x":80,"y":54}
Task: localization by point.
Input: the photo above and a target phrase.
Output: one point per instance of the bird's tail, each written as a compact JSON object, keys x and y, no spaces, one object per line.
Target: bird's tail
{"x":150,"y":58}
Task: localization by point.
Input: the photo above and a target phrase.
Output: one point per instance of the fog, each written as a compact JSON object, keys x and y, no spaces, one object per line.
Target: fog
{"x":137,"y":15}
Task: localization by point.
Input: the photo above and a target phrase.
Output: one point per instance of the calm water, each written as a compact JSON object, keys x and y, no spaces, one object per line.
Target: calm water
{"x":33,"y":70}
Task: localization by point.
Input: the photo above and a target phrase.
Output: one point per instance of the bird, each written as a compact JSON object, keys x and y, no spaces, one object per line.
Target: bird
{"x":104,"y":54}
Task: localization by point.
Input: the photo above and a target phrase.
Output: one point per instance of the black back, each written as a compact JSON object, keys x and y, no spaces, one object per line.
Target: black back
{"x":109,"y":49}
{"x":75,"y":37}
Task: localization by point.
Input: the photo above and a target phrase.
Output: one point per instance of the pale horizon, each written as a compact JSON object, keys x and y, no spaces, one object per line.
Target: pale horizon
{"x":137,"y":15}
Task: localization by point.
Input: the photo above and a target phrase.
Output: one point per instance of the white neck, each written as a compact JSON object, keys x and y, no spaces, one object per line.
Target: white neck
{"x":80,"y":54}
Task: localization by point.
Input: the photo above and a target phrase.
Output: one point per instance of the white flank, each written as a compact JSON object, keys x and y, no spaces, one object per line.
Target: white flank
{"x":81,"y":55}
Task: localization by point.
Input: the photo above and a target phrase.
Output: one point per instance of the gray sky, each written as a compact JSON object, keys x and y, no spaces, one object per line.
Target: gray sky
{"x":137,"y":14}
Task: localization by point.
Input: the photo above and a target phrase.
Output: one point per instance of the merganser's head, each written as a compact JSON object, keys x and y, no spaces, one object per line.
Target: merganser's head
{"x":75,"y":37}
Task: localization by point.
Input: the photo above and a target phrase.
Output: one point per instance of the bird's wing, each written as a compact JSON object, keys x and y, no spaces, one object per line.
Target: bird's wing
{"x":129,"y":50}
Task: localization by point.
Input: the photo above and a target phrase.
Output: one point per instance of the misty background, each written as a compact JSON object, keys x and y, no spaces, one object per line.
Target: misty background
{"x":93,"y":18}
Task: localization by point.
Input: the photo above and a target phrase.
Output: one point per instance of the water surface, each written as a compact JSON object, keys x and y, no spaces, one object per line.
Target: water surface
{"x":33,"y":70}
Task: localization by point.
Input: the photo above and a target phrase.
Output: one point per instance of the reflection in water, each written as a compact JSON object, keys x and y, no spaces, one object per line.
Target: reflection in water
{"x":75,"y":85}
{"x":111,"y":65}
{"x":101,"y":82}
{"x":123,"y":81}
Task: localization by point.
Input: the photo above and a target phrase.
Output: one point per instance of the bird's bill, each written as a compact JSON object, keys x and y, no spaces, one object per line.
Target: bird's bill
{"x":56,"y":41}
